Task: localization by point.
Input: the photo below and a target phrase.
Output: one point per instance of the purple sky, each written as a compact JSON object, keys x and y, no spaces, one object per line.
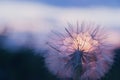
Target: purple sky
{"x":40,"y":17}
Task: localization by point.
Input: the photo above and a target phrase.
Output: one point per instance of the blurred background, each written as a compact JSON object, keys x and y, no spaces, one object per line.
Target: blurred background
{"x":25,"y":25}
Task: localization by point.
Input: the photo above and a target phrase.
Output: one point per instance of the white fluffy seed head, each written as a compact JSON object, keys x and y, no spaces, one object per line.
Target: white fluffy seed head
{"x":81,"y":53}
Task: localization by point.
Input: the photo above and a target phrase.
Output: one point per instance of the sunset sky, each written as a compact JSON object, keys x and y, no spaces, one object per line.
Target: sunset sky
{"x":42,"y":16}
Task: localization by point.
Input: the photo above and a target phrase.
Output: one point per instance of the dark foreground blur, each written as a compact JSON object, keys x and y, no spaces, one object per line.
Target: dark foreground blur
{"x":25,"y":64}
{"x":21,"y":64}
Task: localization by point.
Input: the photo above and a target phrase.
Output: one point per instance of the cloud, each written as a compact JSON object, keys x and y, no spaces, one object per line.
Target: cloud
{"x":41,"y":19}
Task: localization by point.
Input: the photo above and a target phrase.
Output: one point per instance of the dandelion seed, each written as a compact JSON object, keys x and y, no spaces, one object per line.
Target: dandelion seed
{"x":81,"y":53}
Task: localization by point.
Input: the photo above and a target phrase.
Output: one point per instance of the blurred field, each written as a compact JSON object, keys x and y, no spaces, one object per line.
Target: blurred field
{"x":26,"y":64}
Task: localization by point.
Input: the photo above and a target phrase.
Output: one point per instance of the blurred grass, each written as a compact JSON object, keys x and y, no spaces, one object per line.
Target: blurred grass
{"x":23,"y":65}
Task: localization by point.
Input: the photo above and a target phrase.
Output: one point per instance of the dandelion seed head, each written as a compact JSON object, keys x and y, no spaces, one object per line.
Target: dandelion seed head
{"x":79,"y":53}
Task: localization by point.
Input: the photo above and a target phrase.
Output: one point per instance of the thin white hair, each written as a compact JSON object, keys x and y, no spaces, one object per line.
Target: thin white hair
{"x":81,"y":53}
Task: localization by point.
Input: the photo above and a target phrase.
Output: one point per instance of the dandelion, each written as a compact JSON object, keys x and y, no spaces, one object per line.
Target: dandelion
{"x":81,"y":53}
